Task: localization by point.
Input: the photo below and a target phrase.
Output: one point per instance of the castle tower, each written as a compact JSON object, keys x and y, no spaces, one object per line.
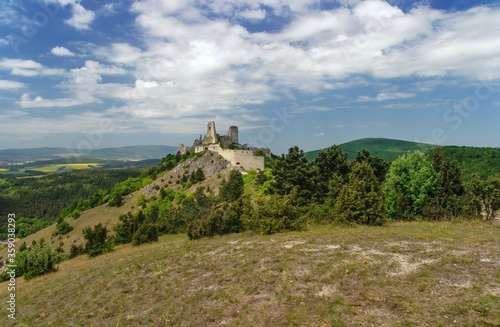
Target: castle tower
{"x":210,"y":137}
{"x":232,"y":133}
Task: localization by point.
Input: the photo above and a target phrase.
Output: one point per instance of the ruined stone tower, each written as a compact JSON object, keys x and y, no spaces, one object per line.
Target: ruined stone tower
{"x":211,"y":136}
{"x":232,"y":133}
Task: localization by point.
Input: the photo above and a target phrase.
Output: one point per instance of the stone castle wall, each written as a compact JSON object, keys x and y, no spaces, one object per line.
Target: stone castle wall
{"x":237,"y":158}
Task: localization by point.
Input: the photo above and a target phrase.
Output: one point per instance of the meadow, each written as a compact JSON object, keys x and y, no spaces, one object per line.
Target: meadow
{"x":403,"y":274}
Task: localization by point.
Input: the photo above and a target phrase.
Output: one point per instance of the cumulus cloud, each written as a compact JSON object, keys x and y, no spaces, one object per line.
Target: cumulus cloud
{"x":61,"y":51}
{"x":81,"y":18}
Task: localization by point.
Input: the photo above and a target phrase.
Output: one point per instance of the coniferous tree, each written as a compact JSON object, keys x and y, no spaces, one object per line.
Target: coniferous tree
{"x":329,"y":162}
{"x":378,"y":165}
{"x":97,"y":242}
{"x":361,"y":201}
{"x":232,"y":190}
{"x":293,"y":171}
{"x":473,"y":198}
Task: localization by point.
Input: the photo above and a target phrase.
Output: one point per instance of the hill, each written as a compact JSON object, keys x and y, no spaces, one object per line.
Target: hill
{"x":483,"y":161}
{"x":387,"y":149}
{"x":138,"y":152}
{"x":405,"y":274}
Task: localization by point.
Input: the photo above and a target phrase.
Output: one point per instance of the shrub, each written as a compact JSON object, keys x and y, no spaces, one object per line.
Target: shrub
{"x":97,"y":241}
{"x":147,"y":233}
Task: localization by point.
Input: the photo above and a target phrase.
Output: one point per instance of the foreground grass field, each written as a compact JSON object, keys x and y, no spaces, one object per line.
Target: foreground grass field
{"x":404,"y":274}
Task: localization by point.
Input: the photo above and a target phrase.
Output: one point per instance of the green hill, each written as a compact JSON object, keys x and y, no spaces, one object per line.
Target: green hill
{"x":387,"y":149}
{"x":483,"y":161}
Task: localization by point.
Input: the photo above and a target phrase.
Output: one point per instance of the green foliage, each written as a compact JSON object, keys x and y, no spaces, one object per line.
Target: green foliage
{"x":293,"y":171}
{"x":361,"y":201}
{"x":473,"y":197}
{"x":449,"y":189}
{"x":76,"y":250}
{"x":141,"y":200}
{"x":38,"y":261}
{"x":115,"y":200}
{"x":147,"y":233}
{"x":233,"y":189}
{"x":329,"y":162}
{"x":491,"y":196}
{"x":378,"y":164}
{"x":38,"y":201}
{"x":410,"y":182}
{"x":278,"y":213}
{"x":97,"y":241}
{"x":63,"y":228}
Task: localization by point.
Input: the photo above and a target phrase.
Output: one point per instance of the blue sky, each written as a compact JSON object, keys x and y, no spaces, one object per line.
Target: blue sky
{"x":93,"y":74}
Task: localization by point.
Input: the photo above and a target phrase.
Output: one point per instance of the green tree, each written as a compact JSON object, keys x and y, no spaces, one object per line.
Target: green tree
{"x":141,"y":200}
{"x":199,"y":175}
{"x":410,"y":182}
{"x":232,"y":190}
{"x":38,"y":261}
{"x":97,"y":241}
{"x":115,"y":199}
{"x":361,"y":201}
{"x":378,"y":164}
{"x":473,"y":197}
{"x":293,"y":171}
{"x":147,"y":233}
{"x":278,"y":213}
{"x":62,"y":227}
{"x":491,"y":196}
{"x":330,"y":161}
{"x":448,"y":189}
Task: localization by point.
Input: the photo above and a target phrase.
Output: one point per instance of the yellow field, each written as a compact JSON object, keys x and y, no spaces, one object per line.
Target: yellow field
{"x":53,"y":168}
{"x":3,"y":169}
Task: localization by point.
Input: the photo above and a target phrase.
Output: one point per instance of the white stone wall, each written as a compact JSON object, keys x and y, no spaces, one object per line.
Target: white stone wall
{"x":237,"y":158}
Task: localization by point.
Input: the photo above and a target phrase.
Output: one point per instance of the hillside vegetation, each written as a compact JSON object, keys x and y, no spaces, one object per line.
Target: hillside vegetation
{"x":404,"y":274}
{"x":38,"y":201}
{"x":472,"y":160}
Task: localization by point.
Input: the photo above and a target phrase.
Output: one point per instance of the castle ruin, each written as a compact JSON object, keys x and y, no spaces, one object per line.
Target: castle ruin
{"x":228,"y":147}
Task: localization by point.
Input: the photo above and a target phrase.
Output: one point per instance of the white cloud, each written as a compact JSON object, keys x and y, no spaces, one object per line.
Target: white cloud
{"x":10,"y":85}
{"x":386,"y":96}
{"x":3,"y":42}
{"x":319,"y":134}
{"x":39,"y":102}
{"x":61,"y":51}
{"x":81,"y":18}
{"x":253,"y":15}
{"x":28,"y":68}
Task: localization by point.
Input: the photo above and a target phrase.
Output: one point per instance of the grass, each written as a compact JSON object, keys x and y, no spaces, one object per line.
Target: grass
{"x":56,"y":167}
{"x":404,"y":274}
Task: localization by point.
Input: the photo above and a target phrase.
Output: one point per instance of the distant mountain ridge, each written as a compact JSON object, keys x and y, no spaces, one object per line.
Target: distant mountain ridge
{"x":483,"y":161}
{"x":137,"y":152}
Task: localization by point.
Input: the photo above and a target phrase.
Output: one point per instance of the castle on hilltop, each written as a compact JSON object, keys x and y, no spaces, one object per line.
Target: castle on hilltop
{"x":228,"y":147}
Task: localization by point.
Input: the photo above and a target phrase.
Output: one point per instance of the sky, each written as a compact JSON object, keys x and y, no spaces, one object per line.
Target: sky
{"x":90,"y":74}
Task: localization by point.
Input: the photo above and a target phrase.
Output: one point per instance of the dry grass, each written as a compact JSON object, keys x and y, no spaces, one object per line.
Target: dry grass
{"x":405,"y":274}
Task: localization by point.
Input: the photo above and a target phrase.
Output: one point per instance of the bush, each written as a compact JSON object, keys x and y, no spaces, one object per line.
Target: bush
{"x":278,"y":213}
{"x":147,"y":233}
{"x":97,"y":241}
{"x":361,"y":201}
{"x":38,"y":260}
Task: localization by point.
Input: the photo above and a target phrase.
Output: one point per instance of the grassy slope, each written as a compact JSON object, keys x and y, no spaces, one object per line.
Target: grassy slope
{"x":418,"y":274}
